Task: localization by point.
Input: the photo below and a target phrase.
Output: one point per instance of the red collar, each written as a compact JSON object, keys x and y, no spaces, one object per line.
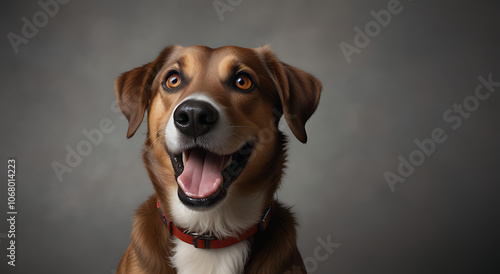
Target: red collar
{"x":209,"y":241}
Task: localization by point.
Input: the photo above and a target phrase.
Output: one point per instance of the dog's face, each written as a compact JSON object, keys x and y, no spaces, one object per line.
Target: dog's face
{"x":213,"y":116}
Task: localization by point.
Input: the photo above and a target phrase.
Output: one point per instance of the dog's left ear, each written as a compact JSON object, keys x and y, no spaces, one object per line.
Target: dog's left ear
{"x":298,"y":90}
{"x":133,"y":90}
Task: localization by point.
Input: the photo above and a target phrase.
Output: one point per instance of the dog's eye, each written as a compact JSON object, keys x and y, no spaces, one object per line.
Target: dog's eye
{"x":172,"y":81}
{"x":243,"y":82}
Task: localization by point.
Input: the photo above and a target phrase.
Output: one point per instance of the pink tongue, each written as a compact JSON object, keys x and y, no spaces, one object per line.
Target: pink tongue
{"x":202,"y":174}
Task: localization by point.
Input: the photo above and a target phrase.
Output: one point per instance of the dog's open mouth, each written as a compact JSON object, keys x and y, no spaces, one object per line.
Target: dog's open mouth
{"x":203,"y":176}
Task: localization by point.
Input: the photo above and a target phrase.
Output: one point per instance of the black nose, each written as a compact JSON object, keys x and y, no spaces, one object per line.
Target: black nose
{"x":195,"y":118}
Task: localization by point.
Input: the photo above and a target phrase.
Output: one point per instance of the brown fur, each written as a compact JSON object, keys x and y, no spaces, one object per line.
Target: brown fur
{"x":281,"y":88}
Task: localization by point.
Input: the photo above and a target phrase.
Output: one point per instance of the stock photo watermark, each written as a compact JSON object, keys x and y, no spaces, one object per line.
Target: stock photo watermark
{"x":453,"y":117}
{"x":363,"y":37}
{"x":322,"y":252}
{"x":11,"y":212}
{"x":223,"y":6}
{"x":30,"y":27}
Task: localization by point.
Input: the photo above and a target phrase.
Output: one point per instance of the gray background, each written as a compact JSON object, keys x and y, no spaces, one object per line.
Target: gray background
{"x":443,"y":218}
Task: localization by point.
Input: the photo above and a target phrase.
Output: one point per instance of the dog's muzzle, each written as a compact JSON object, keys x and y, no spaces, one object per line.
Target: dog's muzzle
{"x":203,"y":176}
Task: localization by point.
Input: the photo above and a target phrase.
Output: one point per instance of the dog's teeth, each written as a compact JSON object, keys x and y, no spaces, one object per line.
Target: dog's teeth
{"x":184,"y":158}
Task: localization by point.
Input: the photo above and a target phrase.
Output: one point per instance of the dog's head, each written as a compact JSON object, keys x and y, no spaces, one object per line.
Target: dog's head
{"x":213,"y":119}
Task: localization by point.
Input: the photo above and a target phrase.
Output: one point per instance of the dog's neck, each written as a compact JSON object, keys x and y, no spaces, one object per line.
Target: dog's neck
{"x":227,"y":219}
{"x":207,"y":241}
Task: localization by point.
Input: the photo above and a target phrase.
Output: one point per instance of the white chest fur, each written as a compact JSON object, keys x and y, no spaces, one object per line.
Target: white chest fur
{"x":229,"y":260}
{"x":233,"y":216}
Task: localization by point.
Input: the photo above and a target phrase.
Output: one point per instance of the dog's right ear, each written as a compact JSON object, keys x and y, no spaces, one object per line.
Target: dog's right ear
{"x":133,"y":96}
{"x":133,"y":90}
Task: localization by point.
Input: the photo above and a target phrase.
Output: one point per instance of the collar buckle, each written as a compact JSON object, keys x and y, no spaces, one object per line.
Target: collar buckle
{"x":203,"y":237}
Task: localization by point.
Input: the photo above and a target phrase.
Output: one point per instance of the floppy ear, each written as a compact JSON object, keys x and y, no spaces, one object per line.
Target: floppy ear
{"x":298,"y":90}
{"x":133,"y":90}
{"x":132,"y":96}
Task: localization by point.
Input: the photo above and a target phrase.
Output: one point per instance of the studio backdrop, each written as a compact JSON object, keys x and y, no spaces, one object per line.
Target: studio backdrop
{"x":400,"y":173}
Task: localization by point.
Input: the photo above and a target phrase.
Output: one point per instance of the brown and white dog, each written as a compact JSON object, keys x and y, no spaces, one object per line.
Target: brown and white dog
{"x":215,"y":156}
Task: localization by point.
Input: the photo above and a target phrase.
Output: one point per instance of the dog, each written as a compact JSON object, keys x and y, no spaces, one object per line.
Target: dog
{"x":215,"y":156}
